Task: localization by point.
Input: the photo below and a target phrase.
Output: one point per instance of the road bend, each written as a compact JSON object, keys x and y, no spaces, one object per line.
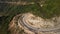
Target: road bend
{"x":22,"y":20}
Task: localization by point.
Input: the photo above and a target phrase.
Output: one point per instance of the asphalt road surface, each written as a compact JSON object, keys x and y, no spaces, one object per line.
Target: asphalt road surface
{"x":22,"y":21}
{"x":17,"y":3}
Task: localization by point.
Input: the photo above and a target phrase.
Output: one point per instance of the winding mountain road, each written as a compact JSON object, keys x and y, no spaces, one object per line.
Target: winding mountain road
{"x":22,"y":20}
{"x":17,"y":3}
